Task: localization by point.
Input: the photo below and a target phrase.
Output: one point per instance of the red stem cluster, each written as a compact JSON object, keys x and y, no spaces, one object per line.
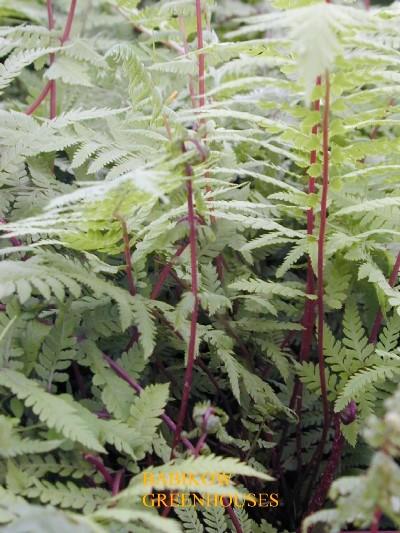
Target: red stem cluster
{"x":120,"y":372}
{"x":321,"y":251}
{"x":50,"y":86}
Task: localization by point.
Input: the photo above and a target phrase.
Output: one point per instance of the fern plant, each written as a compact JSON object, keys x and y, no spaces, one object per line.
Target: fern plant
{"x":199,"y":258}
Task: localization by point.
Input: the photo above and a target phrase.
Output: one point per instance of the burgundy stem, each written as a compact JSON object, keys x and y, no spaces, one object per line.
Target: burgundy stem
{"x":309,"y":308}
{"x":14,"y":241}
{"x":323,"y":487}
{"x":127,"y":255}
{"x":166,"y":271}
{"x":172,"y":426}
{"x":379,"y":316}
{"x":315,"y":460}
{"x":34,"y":105}
{"x":203,"y":437}
{"x":202,"y":59}
{"x":138,"y":389}
{"x":188,"y":377}
{"x":53,"y":97}
{"x":116,"y":485}
{"x":50,"y":15}
{"x":68,"y":25}
{"x":321,"y":251}
{"x":53,"y":84}
{"x":99,"y":465}
{"x":233,"y":516}
{"x":375,"y":521}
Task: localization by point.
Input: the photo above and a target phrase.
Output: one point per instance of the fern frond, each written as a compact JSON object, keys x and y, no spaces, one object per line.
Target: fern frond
{"x":52,"y":410}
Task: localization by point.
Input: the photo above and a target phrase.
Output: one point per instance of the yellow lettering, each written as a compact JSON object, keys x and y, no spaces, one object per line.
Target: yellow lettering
{"x":198,"y":500}
{"x":251,"y":499}
{"x":263,"y":499}
{"x":238,"y":502}
{"x":148,"y":478}
{"x":144,"y":500}
{"x":161,"y":497}
{"x":274,"y":499}
{"x":226,"y":501}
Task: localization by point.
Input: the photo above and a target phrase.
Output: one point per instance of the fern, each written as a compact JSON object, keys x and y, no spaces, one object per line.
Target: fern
{"x":190,"y":521}
{"x":53,"y":410}
{"x":194,"y":195}
{"x":144,"y":416}
{"x":13,"y":444}
{"x":57,"y":351}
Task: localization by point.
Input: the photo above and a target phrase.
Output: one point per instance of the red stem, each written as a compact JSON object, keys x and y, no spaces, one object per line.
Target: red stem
{"x":203,"y":437}
{"x":321,"y":250}
{"x":202,"y":59}
{"x":116,"y":485}
{"x":323,"y":488}
{"x":379,"y":316}
{"x":127,"y":255}
{"x":166,"y":271}
{"x":172,"y":426}
{"x":314,"y":463}
{"x":68,"y":25}
{"x":219,"y":262}
{"x":138,"y":389}
{"x":233,"y":517}
{"x":308,"y":318}
{"x":376,"y":520}
{"x":309,"y":308}
{"x":14,"y":241}
{"x":50,"y":15}
{"x":53,"y":85}
{"x":53,"y":97}
{"x":99,"y":465}
{"x":34,"y":105}
{"x":327,"y":478}
{"x":193,"y":322}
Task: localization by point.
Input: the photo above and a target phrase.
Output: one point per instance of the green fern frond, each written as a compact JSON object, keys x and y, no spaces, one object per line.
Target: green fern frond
{"x":54,"y":411}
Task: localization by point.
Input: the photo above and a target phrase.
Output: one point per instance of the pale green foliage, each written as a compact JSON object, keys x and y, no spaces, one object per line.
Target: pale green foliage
{"x":56,"y":412}
{"x":144,"y":416}
{"x":119,"y":152}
